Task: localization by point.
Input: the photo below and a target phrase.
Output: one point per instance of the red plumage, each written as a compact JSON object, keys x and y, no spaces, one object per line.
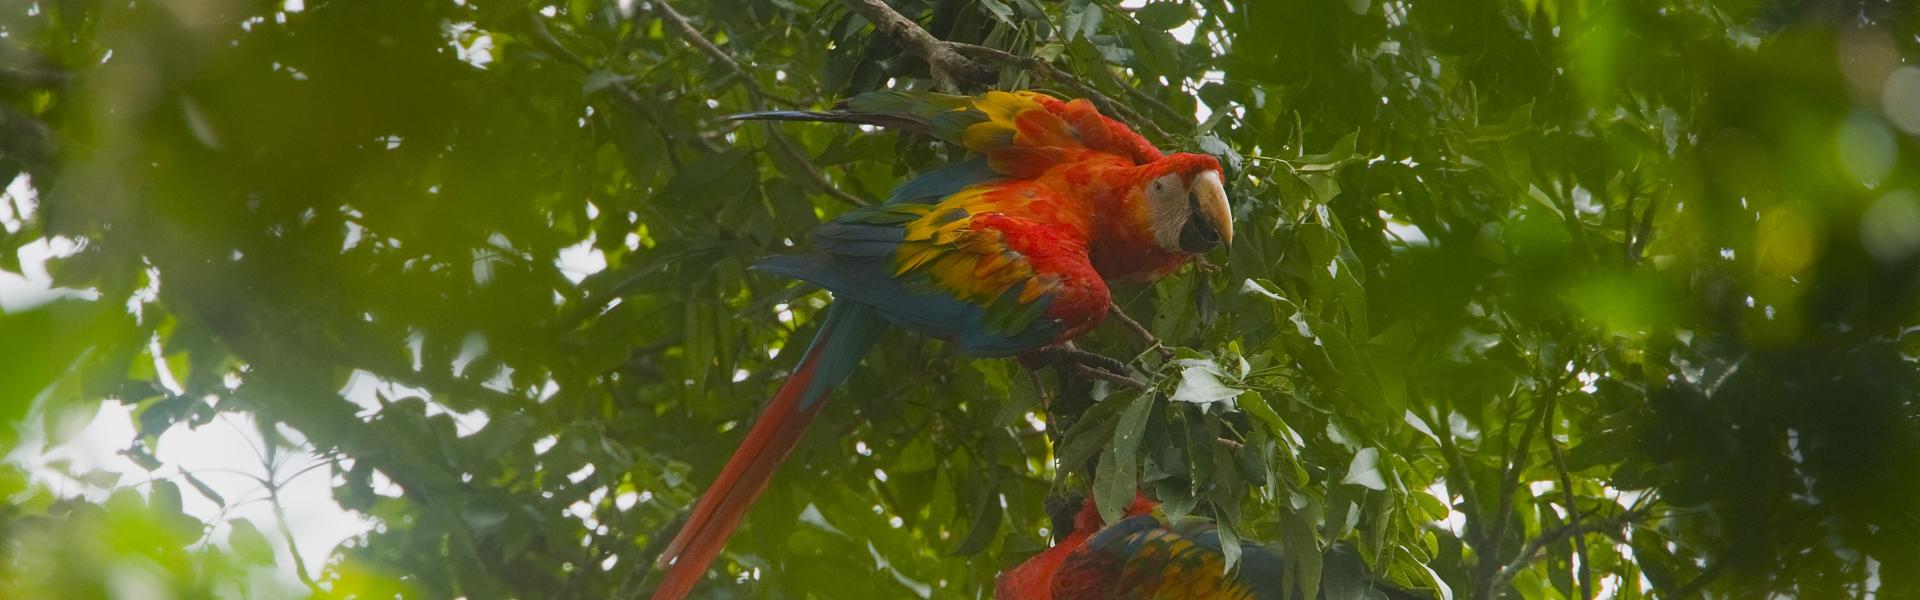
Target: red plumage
{"x":1146,"y":557}
{"x":1001,"y":255}
{"x":1034,"y":579}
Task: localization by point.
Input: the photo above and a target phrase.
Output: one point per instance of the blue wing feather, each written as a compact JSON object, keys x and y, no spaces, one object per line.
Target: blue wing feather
{"x":853,"y":256}
{"x":909,"y":304}
{"x":930,"y":187}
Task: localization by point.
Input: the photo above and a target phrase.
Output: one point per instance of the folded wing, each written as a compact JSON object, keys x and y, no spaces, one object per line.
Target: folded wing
{"x":995,"y":285}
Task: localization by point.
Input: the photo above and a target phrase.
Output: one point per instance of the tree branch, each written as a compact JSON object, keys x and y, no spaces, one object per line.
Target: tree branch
{"x":1153,"y":343}
{"x":787,"y":150}
{"x":948,"y":67}
{"x":1457,"y":472}
{"x":1573,"y":506}
{"x":1699,"y":582}
{"x":1067,"y":353}
{"x":952,"y":63}
{"x":1079,"y":86}
{"x":1143,"y":98}
{"x":21,"y":68}
{"x":286,"y":535}
{"x":1533,"y":547}
{"x":666,"y":12}
{"x":800,"y":161}
{"x":544,"y":38}
{"x":1486,"y":566}
{"x":1104,"y":375}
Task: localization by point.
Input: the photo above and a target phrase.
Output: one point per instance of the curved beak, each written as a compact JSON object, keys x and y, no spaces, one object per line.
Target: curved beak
{"x":1210,"y":203}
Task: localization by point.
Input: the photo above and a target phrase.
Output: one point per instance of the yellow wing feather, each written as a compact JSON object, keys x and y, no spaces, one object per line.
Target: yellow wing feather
{"x":974,"y":265}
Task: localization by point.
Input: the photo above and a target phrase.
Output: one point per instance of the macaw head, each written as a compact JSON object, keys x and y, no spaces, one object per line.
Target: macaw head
{"x":1187,"y":204}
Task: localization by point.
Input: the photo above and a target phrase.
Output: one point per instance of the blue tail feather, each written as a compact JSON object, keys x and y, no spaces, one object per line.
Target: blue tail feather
{"x":849,"y":331}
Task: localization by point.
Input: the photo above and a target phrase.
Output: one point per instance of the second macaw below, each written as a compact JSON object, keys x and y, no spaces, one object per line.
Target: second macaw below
{"x":1007,"y":252}
{"x":1145,"y":556}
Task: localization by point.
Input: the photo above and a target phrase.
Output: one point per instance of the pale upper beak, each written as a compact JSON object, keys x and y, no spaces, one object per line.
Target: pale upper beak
{"x":1211,"y":220}
{"x":1212,"y":196}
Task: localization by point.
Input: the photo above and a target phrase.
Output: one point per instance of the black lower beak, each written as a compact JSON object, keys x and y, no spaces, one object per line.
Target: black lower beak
{"x":1197,"y":236}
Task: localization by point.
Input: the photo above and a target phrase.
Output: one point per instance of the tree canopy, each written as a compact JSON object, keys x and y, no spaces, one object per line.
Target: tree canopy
{"x":1536,"y":299}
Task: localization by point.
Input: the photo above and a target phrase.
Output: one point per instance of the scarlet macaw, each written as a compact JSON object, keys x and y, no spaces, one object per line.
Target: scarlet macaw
{"x":1006,"y":252}
{"x":1144,"y":557}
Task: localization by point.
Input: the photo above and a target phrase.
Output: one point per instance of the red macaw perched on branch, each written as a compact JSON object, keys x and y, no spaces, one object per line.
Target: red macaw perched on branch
{"x":1143,"y":557}
{"x":1007,"y":252}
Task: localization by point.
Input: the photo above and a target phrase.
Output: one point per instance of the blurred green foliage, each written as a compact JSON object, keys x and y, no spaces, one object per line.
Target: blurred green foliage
{"x":1648,"y":267}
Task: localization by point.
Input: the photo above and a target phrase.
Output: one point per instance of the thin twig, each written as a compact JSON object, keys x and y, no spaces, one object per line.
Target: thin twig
{"x":788,"y":151}
{"x":1040,"y":389}
{"x":1080,"y":86}
{"x":1107,"y":376}
{"x":1457,"y":471}
{"x":666,"y":12}
{"x":1573,"y":507}
{"x":1699,"y":582}
{"x":1638,"y":237}
{"x":1153,"y":343}
{"x":1533,"y":546}
{"x":1511,"y":469}
{"x":673,"y":17}
{"x":32,"y":76}
{"x":280,"y":517}
{"x":947,"y":66}
{"x":545,"y":40}
{"x":952,"y":63}
{"x":817,"y":179}
{"x":1151,"y":102}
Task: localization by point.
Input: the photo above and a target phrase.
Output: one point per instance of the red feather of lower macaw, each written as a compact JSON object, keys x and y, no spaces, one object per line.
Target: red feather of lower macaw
{"x":1033,"y":579}
{"x":1145,"y":557}
{"x":1001,"y":254}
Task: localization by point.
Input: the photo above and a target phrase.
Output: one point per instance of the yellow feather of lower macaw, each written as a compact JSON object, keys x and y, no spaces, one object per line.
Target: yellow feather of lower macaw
{"x":1000,"y":107}
{"x":949,"y":233}
{"x":992,"y":264}
{"x":983,"y":241}
{"x":999,"y":129}
{"x":1037,"y":287}
{"x":912,"y":255}
{"x":980,"y":137}
{"x":955,"y":273}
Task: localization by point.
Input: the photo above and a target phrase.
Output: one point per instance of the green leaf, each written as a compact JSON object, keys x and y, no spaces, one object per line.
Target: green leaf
{"x":1364,"y":470}
{"x":1304,"y":561}
{"x":985,"y":523}
{"x":1200,"y":384}
{"x":1163,"y":15}
{"x":1083,"y":21}
{"x":999,"y":10}
{"x":248,"y":543}
{"x":1114,"y":485}
{"x":1088,"y":436}
{"x":204,"y":489}
{"x":1212,"y":144}
{"x":165,"y":498}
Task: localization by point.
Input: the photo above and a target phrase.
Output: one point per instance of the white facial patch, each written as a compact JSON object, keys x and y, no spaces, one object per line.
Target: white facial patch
{"x":1167,"y":210}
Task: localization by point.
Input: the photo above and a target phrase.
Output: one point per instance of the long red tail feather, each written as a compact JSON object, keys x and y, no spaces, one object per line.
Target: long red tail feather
{"x":847,"y":333}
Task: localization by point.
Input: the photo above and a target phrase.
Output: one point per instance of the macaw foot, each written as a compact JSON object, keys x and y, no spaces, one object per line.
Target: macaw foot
{"x":1070,"y":358}
{"x":1066,"y":354}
